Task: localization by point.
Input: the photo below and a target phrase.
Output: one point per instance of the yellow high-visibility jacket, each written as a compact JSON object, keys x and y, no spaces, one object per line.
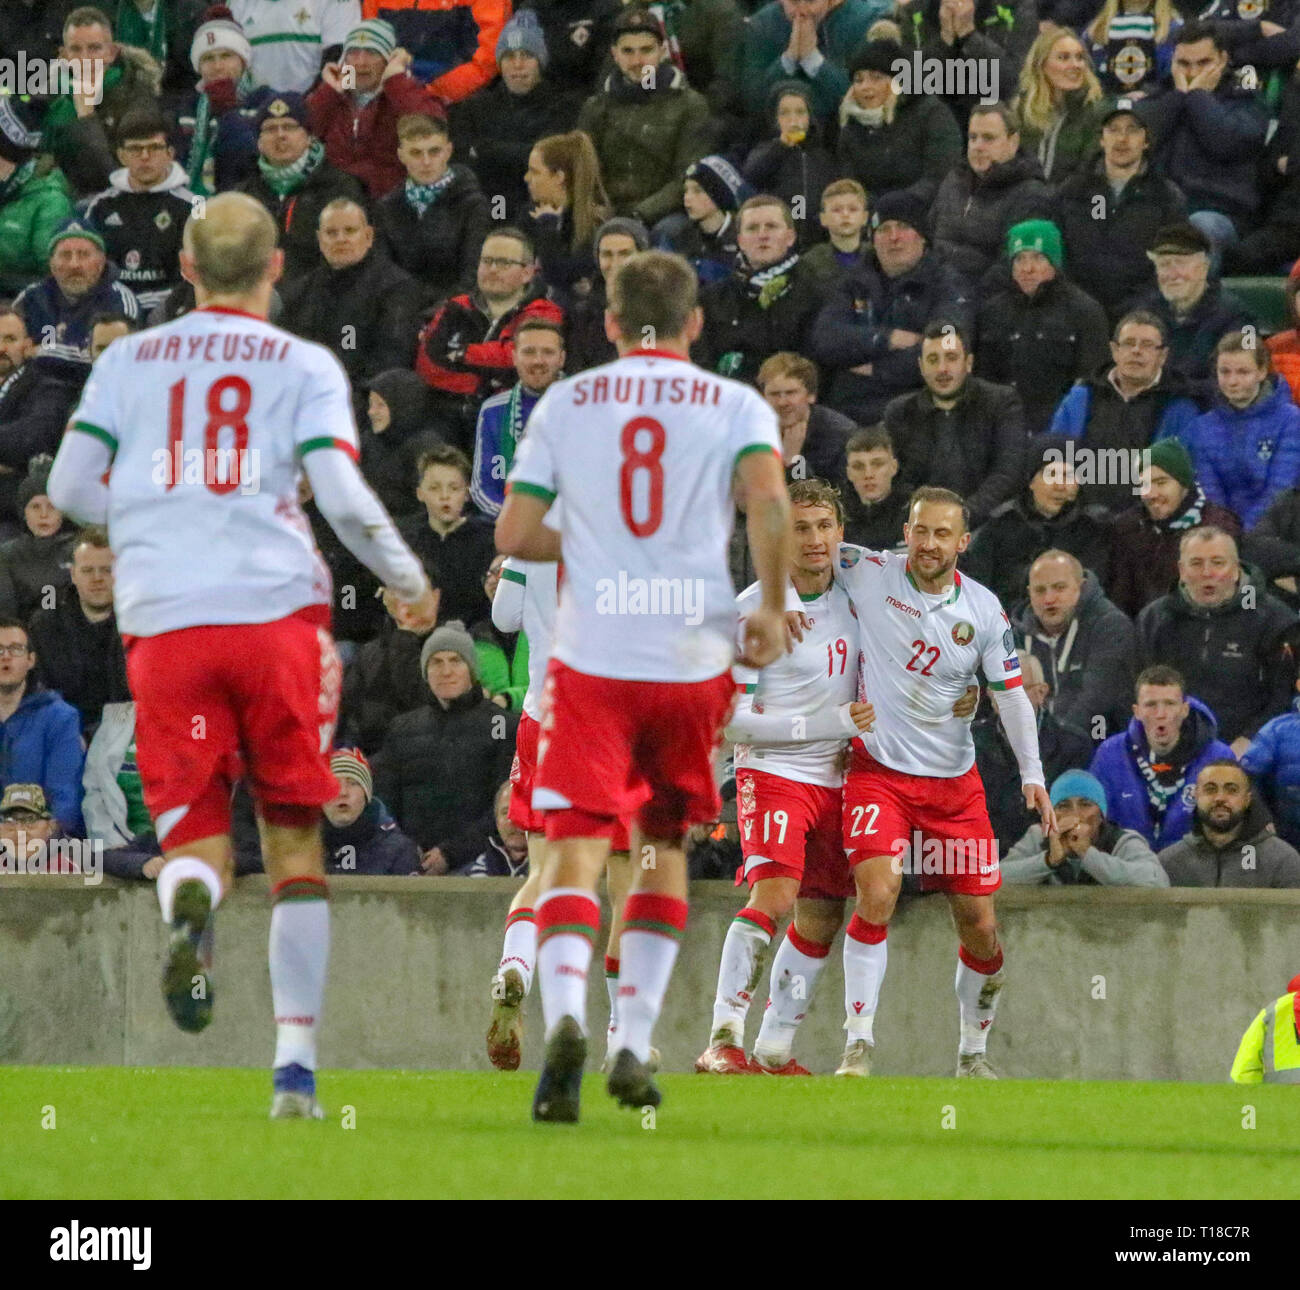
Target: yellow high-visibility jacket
{"x":1270,"y":1048}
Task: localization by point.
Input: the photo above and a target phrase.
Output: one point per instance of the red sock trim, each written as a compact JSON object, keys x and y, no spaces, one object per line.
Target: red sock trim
{"x":986,"y":967}
{"x":611,"y":966}
{"x":520,"y":915}
{"x":576,"y":915}
{"x":651,"y":912}
{"x":303,"y":888}
{"x":759,"y":919}
{"x":810,"y":949}
{"x":867,"y":933}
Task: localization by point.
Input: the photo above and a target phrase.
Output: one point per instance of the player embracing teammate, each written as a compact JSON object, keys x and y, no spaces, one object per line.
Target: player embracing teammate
{"x":645,"y":455}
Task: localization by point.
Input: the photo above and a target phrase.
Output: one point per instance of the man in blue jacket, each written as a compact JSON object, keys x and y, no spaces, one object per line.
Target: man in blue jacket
{"x":40,"y":734}
{"x":1149,"y":771}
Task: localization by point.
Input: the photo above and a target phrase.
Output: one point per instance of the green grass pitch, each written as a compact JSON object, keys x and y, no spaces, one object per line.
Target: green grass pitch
{"x":187,"y":1133}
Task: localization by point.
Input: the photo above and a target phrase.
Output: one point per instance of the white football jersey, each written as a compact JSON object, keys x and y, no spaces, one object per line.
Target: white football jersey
{"x":821,"y":672}
{"x":538,"y":581}
{"x":289,"y":36}
{"x":208,"y":418}
{"x":919,"y":653}
{"x":642,"y":453}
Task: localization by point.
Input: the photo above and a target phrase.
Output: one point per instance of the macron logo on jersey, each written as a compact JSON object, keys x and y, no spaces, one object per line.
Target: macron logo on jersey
{"x":898,"y":604}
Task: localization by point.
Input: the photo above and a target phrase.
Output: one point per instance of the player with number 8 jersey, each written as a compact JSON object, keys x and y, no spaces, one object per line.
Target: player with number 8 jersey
{"x":188,"y":443}
{"x":645,"y":455}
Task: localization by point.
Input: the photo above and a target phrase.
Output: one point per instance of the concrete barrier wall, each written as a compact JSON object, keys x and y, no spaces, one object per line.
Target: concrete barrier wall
{"x":1102,"y":984}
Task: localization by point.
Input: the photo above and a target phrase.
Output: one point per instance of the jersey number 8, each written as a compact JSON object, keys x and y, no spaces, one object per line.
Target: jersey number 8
{"x":651,"y":462}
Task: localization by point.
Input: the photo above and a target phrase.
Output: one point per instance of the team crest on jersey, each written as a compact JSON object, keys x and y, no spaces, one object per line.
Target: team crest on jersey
{"x":850,"y":557}
{"x":1131,"y":65}
{"x":1008,"y":640}
{"x":745,"y":789}
{"x":163,"y":221}
{"x":132,"y":260}
{"x":963,"y":634}
{"x":1265,"y":449}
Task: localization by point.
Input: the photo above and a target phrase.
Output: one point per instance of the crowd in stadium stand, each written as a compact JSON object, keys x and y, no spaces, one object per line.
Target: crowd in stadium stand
{"x":1062,"y":233}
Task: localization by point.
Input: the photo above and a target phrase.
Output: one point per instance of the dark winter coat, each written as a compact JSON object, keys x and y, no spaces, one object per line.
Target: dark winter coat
{"x":972,"y":213}
{"x":355,"y":613}
{"x":823,"y":453}
{"x":1090,"y":665}
{"x":1127,"y":801}
{"x":976,"y":447}
{"x":41,"y":744}
{"x":389,"y":459}
{"x":562,"y":266}
{"x":876,"y":525}
{"x":1193,"y":337}
{"x":796,"y":173}
{"x":456,"y":564}
{"x":367,"y":314}
{"x":1144,"y":555}
{"x":34,"y":408}
{"x":1245,"y":457}
{"x":1233,"y":657}
{"x":736,"y":325}
{"x":714,"y":256}
{"x":1070,"y":140}
{"x":586,"y":344}
{"x":494,"y":131}
{"x":913,"y":152}
{"x":49,"y":313}
{"x":1256,"y":858}
{"x":297,"y":215}
{"x":1012,"y":27}
{"x":1107,"y":238}
{"x":1041,"y":344}
{"x":439,"y":769}
{"x":577,"y":36}
{"x":1016,"y":534}
{"x":440,"y":248}
{"x":372,"y":844}
{"x":382,"y":681}
{"x":854,"y":325}
{"x":29,"y":565}
{"x":1209,"y":142}
{"x":81,"y":660}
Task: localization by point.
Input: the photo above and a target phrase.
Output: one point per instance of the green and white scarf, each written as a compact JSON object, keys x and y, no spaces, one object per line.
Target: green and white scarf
{"x":767,"y":286}
{"x":201,"y":167}
{"x":422,"y":196}
{"x":283,"y":180}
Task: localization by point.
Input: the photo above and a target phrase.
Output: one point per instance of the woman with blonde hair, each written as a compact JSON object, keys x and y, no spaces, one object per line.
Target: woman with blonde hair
{"x":1132,"y":44}
{"x":1061,"y":103}
{"x":569,"y":205}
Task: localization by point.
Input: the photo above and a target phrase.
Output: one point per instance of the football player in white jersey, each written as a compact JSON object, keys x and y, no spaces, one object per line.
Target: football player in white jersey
{"x":913,"y":800}
{"x":645,"y":454}
{"x":525,"y":600}
{"x":200,"y":429}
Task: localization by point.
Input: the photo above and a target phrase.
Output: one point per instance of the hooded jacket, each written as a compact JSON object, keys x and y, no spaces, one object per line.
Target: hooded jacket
{"x":142,"y":231}
{"x":1108,"y":251}
{"x":1273,"y":762}
{"x":913,"y":152}
{"x":440,"y":247}
{"x":972,"y":213}
{"x":796,"y":173}
{"x":645,"y":140}
{"x":1234,"y":657}
{"x":1128,"y":805}
{"x":853,"y":328}
{"x":388,"y":460}
{"x":29,"y":564}
{"x":1256,"y":858}
{"x":29,"y":214}
{"x":1245,"y":457}
{"x":1117,"y":858}
{"x":439,"y":770}
{"x":372,"y":844}
{"x":1040,"y":344}
{"x":41,"y":744}
{"x":1144,"y":554}
{"x":1070,"y":139}
{"x":1090,"y":665}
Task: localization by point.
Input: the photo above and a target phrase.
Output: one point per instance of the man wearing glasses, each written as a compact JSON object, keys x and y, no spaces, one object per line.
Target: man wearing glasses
{"x":142,"y":213}
{"x":467,"y":350}
{"x":1126,"y":407}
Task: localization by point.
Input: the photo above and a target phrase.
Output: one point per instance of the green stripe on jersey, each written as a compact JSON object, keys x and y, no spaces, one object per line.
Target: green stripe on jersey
{"x":532,"y":490}
{"x":96,"y":432}
{"x":513,"y":575}
{"x":755,"y":447}
{"x":322,"y":441}
{"x":280,"y":37}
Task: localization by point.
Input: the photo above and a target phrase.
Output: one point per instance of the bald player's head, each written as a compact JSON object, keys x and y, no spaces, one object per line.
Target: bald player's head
{"x":229,"y":246}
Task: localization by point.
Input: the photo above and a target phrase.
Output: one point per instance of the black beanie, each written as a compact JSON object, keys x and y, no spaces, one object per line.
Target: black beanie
{"x":875,"y":56}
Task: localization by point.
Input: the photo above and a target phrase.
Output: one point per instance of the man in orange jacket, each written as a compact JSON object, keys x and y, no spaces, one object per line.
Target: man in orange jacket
{"x":452,"y":42}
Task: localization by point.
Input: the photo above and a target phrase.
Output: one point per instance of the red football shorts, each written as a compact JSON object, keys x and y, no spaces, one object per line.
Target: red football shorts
{"x":523,"y":775}
{"x":791,"y":830}
{"x":214,"y":703}
{"x":624,"y":750}
{"x":935,"y":827}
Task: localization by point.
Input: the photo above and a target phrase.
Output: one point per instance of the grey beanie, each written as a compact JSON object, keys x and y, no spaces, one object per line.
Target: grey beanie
{"x":451,"y":635}
{"x":523,"y":32}
{"x":626,"y":225}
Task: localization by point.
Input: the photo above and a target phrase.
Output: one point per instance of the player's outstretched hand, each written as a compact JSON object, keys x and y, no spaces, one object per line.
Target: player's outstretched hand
{"x":863,"y":716}
{"x":966,"y":705}
{"x":796,"y":623}
{"x":413,"y":615}
{"x":1036,"y":799}
{"x":764,"y":637}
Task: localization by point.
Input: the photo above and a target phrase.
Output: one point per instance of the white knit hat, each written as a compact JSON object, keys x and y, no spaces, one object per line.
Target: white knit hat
{"x":220,"y":31}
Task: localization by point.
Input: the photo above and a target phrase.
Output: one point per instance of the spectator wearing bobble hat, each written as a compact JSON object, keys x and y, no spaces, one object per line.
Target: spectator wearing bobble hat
{"x":355,"y":108}
{"x":705,"y":232}
{"x":360,"y":836}
{"x":494,"y":130}
{"x":1039,"y":332}
{"x":1087,"y":850}
{"x":34,"y":197}
{"x":439,"y":767}
{"x":294,"y":180}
